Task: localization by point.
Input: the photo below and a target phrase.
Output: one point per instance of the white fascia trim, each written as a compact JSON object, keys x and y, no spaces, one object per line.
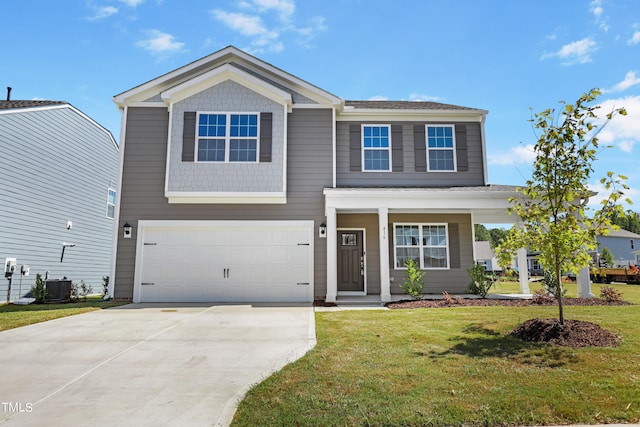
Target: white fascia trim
{"x":155,"y":104}
{"x":411,"y":115}
{"x":484,"y":150}
{"x":176,"y":197}
{"x":146,"y":90}
{"x":415,"y":198}
{"x":168,"y":162}
{"x":219,"y":75}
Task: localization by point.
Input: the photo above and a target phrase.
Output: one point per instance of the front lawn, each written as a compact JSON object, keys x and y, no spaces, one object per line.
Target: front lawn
{"x":14,"y":316}
{"x":453,"y":366}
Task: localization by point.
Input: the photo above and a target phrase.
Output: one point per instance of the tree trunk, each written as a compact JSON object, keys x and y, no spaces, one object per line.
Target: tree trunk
{"x":559,"y":294}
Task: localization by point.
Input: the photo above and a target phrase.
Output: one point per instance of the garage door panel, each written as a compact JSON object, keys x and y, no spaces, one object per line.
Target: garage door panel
{"x":222,"y":263}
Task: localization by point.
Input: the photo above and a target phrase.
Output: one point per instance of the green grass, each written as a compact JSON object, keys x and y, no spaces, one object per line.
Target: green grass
{"x":14,"y":316}
{"x":453,"y":366}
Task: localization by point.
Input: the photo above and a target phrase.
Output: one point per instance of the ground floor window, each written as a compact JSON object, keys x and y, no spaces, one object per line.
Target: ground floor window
{"x":426,"y":244}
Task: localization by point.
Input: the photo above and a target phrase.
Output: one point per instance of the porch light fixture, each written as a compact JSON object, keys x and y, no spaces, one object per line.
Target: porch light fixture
{"x":322,"y":231}
{"x":126,"y":230}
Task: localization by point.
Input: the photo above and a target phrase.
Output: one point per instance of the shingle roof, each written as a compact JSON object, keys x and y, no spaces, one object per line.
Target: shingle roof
{"x":8,"y":105}
{"x":404,"y":105}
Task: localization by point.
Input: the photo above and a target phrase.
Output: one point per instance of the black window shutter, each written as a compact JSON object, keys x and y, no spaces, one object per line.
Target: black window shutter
{"x":461,"y":148}
{"x":396,"y":148}
{"x":420,"y":148}
{"x":266,"y":139}
{"x":454,"y":246}
{"x":355,"y":160}
{"x":188,"y":136}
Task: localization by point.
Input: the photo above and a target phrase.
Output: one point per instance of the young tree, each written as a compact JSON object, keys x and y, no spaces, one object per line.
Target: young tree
{"x":552,"y":204}
{"x":606,"y":257}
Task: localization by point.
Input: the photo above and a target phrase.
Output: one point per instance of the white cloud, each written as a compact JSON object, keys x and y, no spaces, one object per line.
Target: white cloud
{"x":518,"y":154}
{"x":630,"y":79}
{"x":594,"y":201}
{"x":378,"y":98}
{"x":622,"y":131}
{"x":160,"y":43}
{"x":598,"y":11}
{"x":635,"y":39}
{"x":132,"y":3}
{"x":578,"y":52}
{"x":256,"y":22}
{"x":284,"y":8}
{"x":103,"y":12}
{"x":422,"y":97}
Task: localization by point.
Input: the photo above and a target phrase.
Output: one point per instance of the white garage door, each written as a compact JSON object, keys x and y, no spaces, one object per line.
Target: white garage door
{"x":224,"y":261}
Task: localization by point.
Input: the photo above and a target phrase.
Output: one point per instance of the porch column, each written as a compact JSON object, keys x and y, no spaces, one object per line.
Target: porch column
{"x":332,"y":255}
{"x":383,"y":232}
{"x":584,"y":283}
{"x":523,"y":271}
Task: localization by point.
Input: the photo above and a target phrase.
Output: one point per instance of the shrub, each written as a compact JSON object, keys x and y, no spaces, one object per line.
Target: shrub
{"x":413,"y":283}
{"x":609,"y":294}
{"x":542,"y":297}
{"x":39,"y":291}
{"x":80,"y":292}
{"x":481,"y":282}
{"x":105,"y":286}
{"x":551,"y":284}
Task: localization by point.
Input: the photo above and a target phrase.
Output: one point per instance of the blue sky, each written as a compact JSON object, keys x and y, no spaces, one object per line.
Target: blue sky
{"x":508,"y":57}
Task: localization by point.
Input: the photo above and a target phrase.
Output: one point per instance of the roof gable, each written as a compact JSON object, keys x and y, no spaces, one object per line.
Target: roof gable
{"x":229,"y":55}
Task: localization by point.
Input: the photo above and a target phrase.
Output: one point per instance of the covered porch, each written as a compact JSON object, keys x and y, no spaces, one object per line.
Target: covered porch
{"x":368,"y":230}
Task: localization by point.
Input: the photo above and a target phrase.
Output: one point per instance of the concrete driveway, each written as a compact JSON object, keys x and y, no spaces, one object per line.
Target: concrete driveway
{"x":146,"y":364}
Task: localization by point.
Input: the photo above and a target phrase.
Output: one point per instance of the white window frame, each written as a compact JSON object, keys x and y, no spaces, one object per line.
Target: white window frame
{"x":227,"y":138}
{"x":388,"y":149}
{"x":420,"y":246}
{"x":115,"y":199}
{"x":452,"y":149}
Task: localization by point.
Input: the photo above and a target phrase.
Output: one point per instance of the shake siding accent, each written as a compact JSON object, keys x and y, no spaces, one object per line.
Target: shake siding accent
{"x":347,"y":176}
{"x":309,"y":151}
{"x":56,"y":167}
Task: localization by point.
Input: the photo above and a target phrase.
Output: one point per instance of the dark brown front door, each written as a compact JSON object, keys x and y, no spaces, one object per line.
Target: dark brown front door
{"x":350,"y":261}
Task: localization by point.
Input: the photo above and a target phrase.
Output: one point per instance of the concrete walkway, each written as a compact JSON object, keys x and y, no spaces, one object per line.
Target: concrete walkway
{"x":146,"y":364}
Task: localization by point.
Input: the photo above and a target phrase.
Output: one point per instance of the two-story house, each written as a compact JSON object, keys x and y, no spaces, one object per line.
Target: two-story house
{"x":59,"y":175}
{"x":242,"y":182}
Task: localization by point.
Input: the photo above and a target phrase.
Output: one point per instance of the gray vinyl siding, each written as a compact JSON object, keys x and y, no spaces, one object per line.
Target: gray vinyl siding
{"x":454,"y":280}
{"x":309,"y":170}
{"x":56,"y":166}
{"x":620,"y":247}
{"x":409,"y":177}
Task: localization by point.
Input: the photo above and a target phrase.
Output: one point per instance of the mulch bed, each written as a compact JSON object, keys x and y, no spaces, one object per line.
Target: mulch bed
{"x":574,"y":333}
{"x":467,"y":302}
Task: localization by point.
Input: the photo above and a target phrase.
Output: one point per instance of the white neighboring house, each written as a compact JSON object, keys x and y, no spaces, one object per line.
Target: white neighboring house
{"x":59,"y":172}
{"x":486,"y":257}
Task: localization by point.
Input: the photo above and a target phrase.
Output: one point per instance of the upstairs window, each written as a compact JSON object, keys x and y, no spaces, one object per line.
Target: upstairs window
{"x":376,"y":148}
{"x":441,"y":148}
{"x":111,"y":203}
{"x":227,"y":137}
{"x":633,"y":245}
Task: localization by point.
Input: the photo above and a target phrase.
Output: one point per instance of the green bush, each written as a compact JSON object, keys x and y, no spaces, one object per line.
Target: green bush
{"x":39,"y":291}
{"x":413,"y":283}
{"x":481,"y":282}
{"x":610,"y":294}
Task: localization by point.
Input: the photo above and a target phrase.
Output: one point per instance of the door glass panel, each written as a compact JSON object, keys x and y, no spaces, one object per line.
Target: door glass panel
{"x":349,"y":239}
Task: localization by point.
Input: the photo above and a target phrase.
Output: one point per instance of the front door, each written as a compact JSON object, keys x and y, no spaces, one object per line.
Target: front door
{"x":350,"y":261}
